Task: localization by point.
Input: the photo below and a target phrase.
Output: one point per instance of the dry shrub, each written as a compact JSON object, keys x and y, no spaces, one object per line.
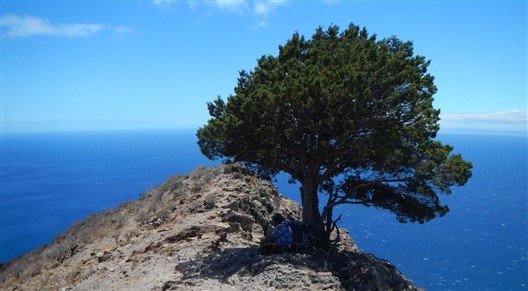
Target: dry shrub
{"x":173,"y":184}
{"x":193,"y":207}
{"x":209,"y":201}
{"x":197,"y":185}
{"x":129,"y":235}
{"x":143,"y":218}
{"x":59,"y":252}
{"x":118,"y":220}
{"x":116,"y":235}
{"x":163,"y":215}
{"x":153,"y":207}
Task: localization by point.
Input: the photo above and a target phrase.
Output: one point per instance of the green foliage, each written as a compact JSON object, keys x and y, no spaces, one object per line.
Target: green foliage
{"x":344,"y":114}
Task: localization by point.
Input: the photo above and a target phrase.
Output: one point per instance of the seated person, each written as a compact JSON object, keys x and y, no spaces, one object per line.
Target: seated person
{"x":280,"y":240}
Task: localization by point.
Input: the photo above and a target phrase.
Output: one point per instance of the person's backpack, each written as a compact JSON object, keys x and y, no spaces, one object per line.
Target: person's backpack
{"x":300,"y":239}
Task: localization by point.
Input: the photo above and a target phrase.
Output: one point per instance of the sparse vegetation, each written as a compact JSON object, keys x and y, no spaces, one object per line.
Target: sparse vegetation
{"x":18,"y":269}
{"x":173,"y":184}
{"x":120,"y":241}
{"x":143,"y":218}
{"x":197,"y":186}
{"x":194,"y":206}
{"x":238,"y":171}
{"x":209,"y":201}
{"x":59,"y":252}
{"x":119,"y":226}
{"x":153,"y":207}
{"x":163,"y":214}
{"x":172,"y":205}
{"x":119,"y":220}
{"x":129,"y":235}
{"x":116,"y":235}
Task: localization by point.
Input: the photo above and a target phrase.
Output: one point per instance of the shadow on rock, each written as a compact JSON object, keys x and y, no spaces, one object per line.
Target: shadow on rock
{"x":242,"y":265}
{"x":218,"y":265}
{"x":364,"y":271}
{"x":323,"y":269}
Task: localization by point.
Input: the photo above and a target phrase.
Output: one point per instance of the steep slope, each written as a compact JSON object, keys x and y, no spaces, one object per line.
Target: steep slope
{"x":195,"y":232}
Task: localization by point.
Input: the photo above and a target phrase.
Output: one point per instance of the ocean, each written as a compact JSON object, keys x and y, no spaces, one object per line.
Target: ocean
{"x":50,"y":180}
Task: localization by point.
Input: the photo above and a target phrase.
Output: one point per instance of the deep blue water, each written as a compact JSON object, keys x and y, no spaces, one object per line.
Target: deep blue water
{"x":51,"y":180}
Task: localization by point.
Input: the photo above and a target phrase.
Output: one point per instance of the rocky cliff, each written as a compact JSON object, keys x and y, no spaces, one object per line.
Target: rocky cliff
{"x":194,"y":232}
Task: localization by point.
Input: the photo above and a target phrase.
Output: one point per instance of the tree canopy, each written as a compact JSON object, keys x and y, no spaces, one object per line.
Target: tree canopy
{"x":347,"y":116}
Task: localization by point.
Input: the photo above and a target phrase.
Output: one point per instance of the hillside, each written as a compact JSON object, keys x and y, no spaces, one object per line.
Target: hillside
{"x":194,"y":232}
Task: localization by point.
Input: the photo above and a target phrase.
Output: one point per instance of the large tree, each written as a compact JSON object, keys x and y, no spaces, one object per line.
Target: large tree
{"x":345,"y":115}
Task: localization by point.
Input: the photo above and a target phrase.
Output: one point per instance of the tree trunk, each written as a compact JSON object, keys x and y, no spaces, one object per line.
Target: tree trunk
{"x":310,"y":213}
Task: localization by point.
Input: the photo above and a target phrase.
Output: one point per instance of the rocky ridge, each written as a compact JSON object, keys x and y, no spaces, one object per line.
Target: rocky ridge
{"x":194,"y":232}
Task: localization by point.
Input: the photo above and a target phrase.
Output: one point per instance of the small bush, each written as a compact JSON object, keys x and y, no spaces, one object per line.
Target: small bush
{"x":143,"y":218}
{"x":163,"y":215}
{"x":59,"y":252}
{"x":152,"y":194}
{"x":116,"y":235}
{"x":178,"y":192}
{"x":238,"y":170}
{"x":158,"y":195}
{"x":118,"y":221}
{"x":35,"y":268}
{"x":153,"y":208}
{"x":172,"y":183}
{"x":129,"y":235}
{"x":17,"y":269}
{"x":3,"y":276}
{"x":194,"y":206}
{"x":172,"y":205}
{"x":198,"y":172}
{"x":197,"y":185}
{"x":209,"y":201}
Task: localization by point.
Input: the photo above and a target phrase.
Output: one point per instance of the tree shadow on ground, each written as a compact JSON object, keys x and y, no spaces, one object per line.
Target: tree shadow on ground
{"x":218,"y":265}
{"x":223,"y":264}
{"x":355,"y":271}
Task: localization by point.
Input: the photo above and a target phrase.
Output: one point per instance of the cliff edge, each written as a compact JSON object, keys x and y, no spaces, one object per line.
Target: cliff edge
{"x":194,"y":232}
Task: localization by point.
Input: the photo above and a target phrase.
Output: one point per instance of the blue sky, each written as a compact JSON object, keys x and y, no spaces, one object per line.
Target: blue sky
{"x":92,"y":65}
